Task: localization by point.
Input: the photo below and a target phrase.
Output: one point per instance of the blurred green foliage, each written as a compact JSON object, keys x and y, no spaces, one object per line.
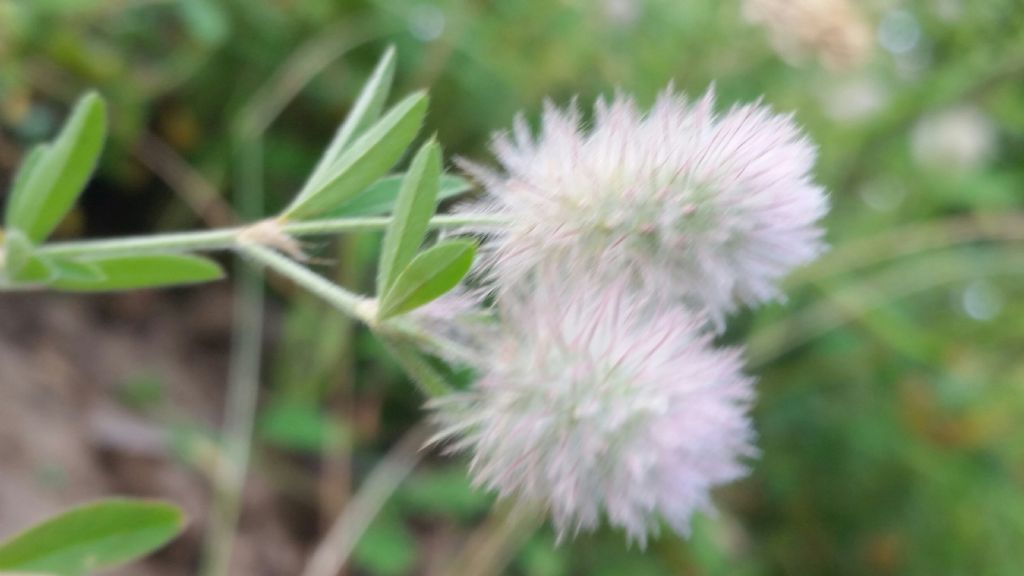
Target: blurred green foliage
{"x":891,"y":382}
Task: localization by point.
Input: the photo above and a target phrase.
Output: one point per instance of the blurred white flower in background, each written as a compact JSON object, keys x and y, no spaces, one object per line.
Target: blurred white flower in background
{"x":595,"y":401}
{"x":853,"y":99}
{"x":426,"y":21}
{"x":833,"y":30}
{"x":982,"y":301}
{"x":948,"y":10}
{"x":958,"y":139}
{"x":704,"y":209}
{"x":883,"y":195}
{"x":899,"y":32}
{"x":622,"y":13}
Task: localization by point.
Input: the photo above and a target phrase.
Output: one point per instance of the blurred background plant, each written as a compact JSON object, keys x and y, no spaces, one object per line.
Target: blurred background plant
{"x":891,"y":383}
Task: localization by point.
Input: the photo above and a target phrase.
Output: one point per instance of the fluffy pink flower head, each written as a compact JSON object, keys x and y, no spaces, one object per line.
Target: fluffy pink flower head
{"x":710,"y":210}
{"x":596,"y":403}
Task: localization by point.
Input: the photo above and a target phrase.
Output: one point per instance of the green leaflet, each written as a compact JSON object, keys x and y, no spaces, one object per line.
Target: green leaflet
{"x":413,"y":209}
{"x":22,"y":264}
{"x":92,"y":537}
{"x":137,"y":272}
{"x":430,"y":275}
{"x":366,"y":110}
{"x":381,"y":196}
{"x":365,"y":161}
{"x":53,"y":176}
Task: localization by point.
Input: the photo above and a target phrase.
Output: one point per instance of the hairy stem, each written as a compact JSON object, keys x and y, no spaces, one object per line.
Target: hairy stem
{"x":228,"y":238}
{"x":350,"y":303}
{"x":393,"y":332}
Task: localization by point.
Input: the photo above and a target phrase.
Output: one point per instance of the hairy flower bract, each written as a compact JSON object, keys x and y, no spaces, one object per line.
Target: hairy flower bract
{"x":594,"y":402}
{"x":704,"y":209}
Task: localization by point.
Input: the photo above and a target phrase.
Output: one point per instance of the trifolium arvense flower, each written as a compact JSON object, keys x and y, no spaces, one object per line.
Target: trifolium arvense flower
{"x":594,"y":402}
{"x":708,"y":210}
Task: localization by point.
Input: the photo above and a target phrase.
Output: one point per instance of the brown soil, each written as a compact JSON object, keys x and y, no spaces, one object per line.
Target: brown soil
{"x":68,"y":436}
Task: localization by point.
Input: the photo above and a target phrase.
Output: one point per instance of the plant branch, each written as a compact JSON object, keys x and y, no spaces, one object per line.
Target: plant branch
{"x":350,"y":303}
{"x":227,"y":238}
{"x":430,"y":382}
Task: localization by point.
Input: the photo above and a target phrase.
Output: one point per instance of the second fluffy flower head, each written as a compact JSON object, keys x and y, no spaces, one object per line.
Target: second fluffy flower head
{"x":593,"y":402}
{"x":704,"y":209}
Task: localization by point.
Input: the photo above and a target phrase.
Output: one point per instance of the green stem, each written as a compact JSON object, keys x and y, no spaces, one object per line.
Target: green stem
{"x":350,"y":303}
{"x":240,"y":412}
{"x":227,"y":238}
{"x":177,"y":242}
{"x":243,"y":374}
{"x":361,"y":308}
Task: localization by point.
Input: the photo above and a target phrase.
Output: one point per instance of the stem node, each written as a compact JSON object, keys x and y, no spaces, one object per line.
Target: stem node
{"x":269,"y":233}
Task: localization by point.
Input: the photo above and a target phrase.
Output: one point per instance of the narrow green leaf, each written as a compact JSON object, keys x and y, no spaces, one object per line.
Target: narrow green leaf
{"x":76,"y":270}
{"x":36,"y":270}
{"x":28,"y":165}
{"x":364,"y":113}
{"x":413,"y":209}
{"x":366,"y":160}
{"x":23,"y":265}
{"x":137,"y":272}
{"x":17,"y":251}
{"x":92,"y":537}
{"x":59,"y":173}
{"x":430,"y":275}
{"x":381,"y":196}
